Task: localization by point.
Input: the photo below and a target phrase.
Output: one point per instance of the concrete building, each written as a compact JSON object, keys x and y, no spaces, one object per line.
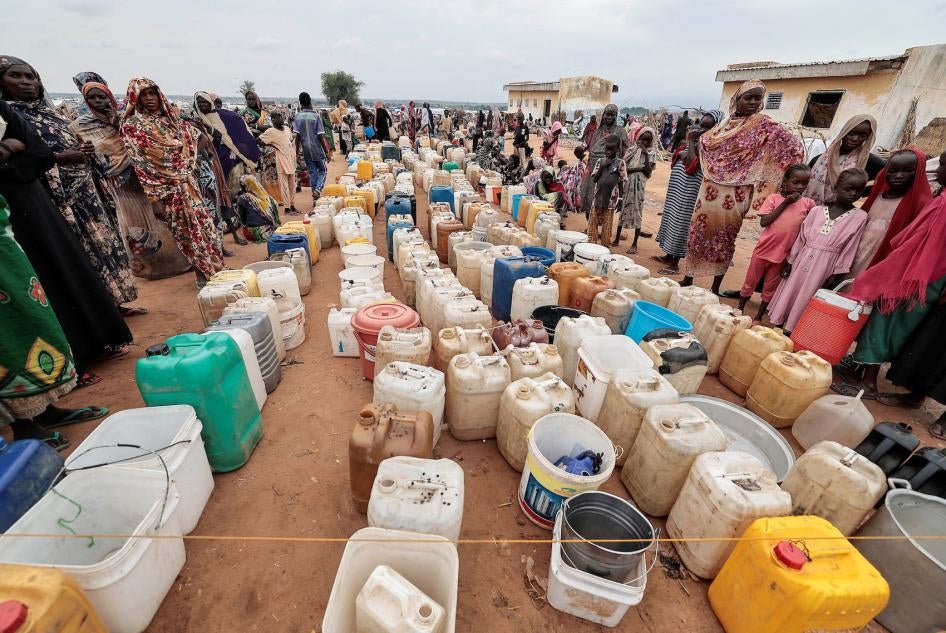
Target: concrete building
{"x":588,"y":94}
{"x":823,"y":95}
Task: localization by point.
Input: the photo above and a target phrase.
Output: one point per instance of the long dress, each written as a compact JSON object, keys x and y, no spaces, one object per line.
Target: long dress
{"x":824,"y":247}
{"x":632,"y":212}
{"x":683,"y":187}
{"x":383,"y":127}
{"x":73,"y":190}
{"x":85,"y":308}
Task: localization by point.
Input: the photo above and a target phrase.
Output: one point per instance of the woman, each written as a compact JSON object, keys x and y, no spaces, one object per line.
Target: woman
{"x":596,"y":151}
{"x":484,"y":154}
{"x":163,"y":150}
{"x":337,"y":117}
{"x":151,"y":248}
{"x":382,"y":122}
{"x":550,"y":190}
{"x":899,"y":194}
{"x":235,"y":144}
{"x":512,"y":170}
{"x":85,"y":308}
{"x":743,"y":160}
{"x":71,"y":182}
{"x":498,"y":123}
{"x":683,"y":187}
{"x":209,"y":175}
{"x":572,"y":177}
{"x":588,"y":133}
{"x":532,"y":170}
{"x":259,"y":120}
{"x":639,"y":161}
{"x":550,"y":144}
{"x":412,"y":121}
{"x":850,"y":149}
{"x":259,"y":213}
{"x":908,"y":288}
{"x":666,"y":131}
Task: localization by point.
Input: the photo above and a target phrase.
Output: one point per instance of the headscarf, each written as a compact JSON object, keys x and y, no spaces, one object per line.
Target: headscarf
{"x":916,"y":197}
{"x":752,"y":150}
{"x":6,"y":62}
{"x":634,"y":154}
{"x":234,"y":134}
{"x":555,"y":187}
{"x":830,"y":165}
{"x":260,"y":117}
{"x":83,"y":78}
{"x":552,"y":139}
{"x":103,"y":132}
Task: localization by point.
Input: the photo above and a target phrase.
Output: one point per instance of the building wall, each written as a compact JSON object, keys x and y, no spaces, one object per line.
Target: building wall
{"x":589,"y":94}
{"x":532,"y":102}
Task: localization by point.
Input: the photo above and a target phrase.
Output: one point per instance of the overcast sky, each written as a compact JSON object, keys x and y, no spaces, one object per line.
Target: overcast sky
{"x":660,"y":52}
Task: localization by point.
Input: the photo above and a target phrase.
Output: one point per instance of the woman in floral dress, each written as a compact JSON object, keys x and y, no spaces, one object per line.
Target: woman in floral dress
{"x":743,"y":160}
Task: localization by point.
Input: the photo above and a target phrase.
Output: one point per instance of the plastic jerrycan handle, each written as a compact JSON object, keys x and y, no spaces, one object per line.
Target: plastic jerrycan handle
{"x":681,"y":423}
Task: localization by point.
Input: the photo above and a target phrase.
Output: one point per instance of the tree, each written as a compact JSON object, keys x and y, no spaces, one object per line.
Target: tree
{"x":340,"y":85}
{"x":247,"y":86}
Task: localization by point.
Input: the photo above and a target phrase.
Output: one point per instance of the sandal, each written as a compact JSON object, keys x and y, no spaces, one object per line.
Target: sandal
{"x":631,"y":251}
{"x":847,"y":389}
{"x":87,"y":380}
{"x":132,"y":311}
{"x":902,"y":400}
{"x":660,"y":260}
{"x":82,"y":414}
{"x":112,"y":352}
{"x":668,"y":271}
{"x":56,"y":440}
{"x":937,"y":429}
{"x":730,"y":294}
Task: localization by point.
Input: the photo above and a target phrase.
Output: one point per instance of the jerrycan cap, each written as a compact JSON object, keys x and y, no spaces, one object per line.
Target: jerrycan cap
{"x":161,"y":349}
{"x":790,"y":555}
{"x":13,"y":615}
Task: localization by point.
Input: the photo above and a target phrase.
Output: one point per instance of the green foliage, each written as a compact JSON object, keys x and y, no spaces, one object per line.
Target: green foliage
{"x":340,"y":85}
{"x":247,"y":86}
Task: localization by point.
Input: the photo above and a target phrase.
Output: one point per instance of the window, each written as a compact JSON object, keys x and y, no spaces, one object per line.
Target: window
{"x":535,"y":103}
{"x":510,"y":105}
{"x":774,"y":101}
{"x":821,"y":108}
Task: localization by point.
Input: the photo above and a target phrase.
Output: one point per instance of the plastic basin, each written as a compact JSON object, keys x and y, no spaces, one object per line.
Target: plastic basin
{"x":648,"y":316}
{"x":551,"y":315}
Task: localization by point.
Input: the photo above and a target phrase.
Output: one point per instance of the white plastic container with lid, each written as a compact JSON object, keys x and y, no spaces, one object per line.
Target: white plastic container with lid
{"x":341,"y":333}
{"x":372,"y":262}
{"x":565,"y":242}
{"x":250,"y":361}
{"x":468,"y":313}
{"x":608,"y":262}
{"x":411,"y":345}
{"x":542,"y":227}
{"x":835,"y":483}
{"x":281,"y":286}
{"x":360,"y":277}
{"x":465,"y":245}
{"x":418,"y":495}
{"x":598,"y":358}
{"x":687,"y":301}
{"x":428,"y":281}
{"x":349,"y":228}
{"x":412,"y":388}
{"x":841,"y":419}
{"x":523,"y":403}
{"x":615,"y":307}
{"x":213,"y":300}
{"x":628,"y":275}
{"x":389,"y":603}
{"x":299,"y":261}
{"x":682,"y":361}
{"x":469,"y":267}
{"x":630,"y":394}
{"x":405,"y":236}
{"x":321,"y":217}
{"x":569,"y":333}
{"x":657,"y":290}
{"x":428,"y":562}
{"x":529,"y":293}
{"x":262,"y":304}
{"x":124,"y":578}
{"x":293,"y":326}
{"x":670,"y":438}
{"x":437,"y":300}
{"x":533,"y":361}
{"x":360,"y":296}
{"x":475,"y":385}
{"x":173,"y":432}
{"x":715,"y":326}
{"x":722,"y":495}
{"x":453,"y":240}
{"x":458,"y":340}
{"x":436,"y":218}
{"x":587,"y":254}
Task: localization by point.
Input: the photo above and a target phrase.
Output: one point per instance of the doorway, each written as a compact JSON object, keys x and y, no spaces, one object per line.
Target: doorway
{"x":547,"y":110}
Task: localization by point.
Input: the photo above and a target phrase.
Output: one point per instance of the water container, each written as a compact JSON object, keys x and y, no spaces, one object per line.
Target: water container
{"x":587,"y":254}
{"x":523,"y":403}
{"x":687,"y":301}
{"x":349,"y":251}
{"x":598,"y":358}
{"x":889,"y":445}
{"x":48,"y":599}
{"x":715,"y":326}
{"x":519,"y":334}
{"x":229,"y":277}
{"x":212,"y":300}
{"x":565,"y":242}
{"x":485,"y":218}
{"x":457,"y":340}
{"x":628,"y":275}
{"x":410,"y":244}
{"x":258,"y":326}
{"x":388,"y":603}
{"x":311,"y":233}
{"x":505,"y":197}
{"x":341,"y":333}
{"x":301,"y":268}
{"x":475,"y":385}
{"x":418,"y":495}
{"x":529,"y":293}
{"x":396,"y":222}
{"x":569,"y":333}
{"x":383,"y":431}
{"x":487,"y":268}
{"x":517,"y":200}
{"x":786,"y":383}
{"x":398,"y":205}
{"x":468,"y":313}
{"x":925,"y":471}
{"x":453,"y":241}
{"x":322,"y":219}
{"x":747,"y":349}
{"x":124,"y":577}
{"x":280,"y":285}
{"x":835,"y":483}
{"x":279,"y":242}
{"x":544,"y":256}
{"x":523,"y":239}
{"x":267,"y":306}
{"x":469,"y":267}
{"x":678,"y":356}
{"x":369,"y":197}
{"x":364,"y":170}
{"x":350,"y":230}
{"x":208,"y":373}
{"x":841,"y":419}
{"x":293,"y":326}
{"x":250,"y":362}
{"x":615,"y":307}
{"x":584,"y":291}
{"x":27,"y":469}
{"x":533,"y":360}
{"x":440,"y":193}
{"x":648,"y":317}
{"x":411,"y":345}
{"x":444,"y":229}
{"x":535,"y":209}
{"x":543,"y":226}
{"x":437,"y":300}
{"x":821,"y":582}
{"x":723,"y":494}
{"x":505,"y":273}
{"x":629,"y":395}
{"x":367,"y":323}
{"x":361,"y":296}
{"x":430,"y":284}
{"x":412,"y":387}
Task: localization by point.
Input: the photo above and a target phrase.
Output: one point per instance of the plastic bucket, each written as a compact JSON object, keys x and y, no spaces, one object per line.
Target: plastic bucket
{"x":648,"y":316}
{"x":829,"y":325}
{"x":598,"y":358}
{"x":546,"y":256}
{"x":544,"y":487}
{"x":258,"y":267}
{"x":359,"y":276}
{"x":372,"y":262}
{"x":551,"y":315}
{"x":369,"y":320}
{"x":565,"y":242}
{"x":353,"y":250}
{"x":293,"y":326}
{"x":598,"y":516}
{"x":587,"y":254}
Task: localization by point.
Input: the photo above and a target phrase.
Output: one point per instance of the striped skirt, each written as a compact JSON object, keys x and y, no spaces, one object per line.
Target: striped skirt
{"x":682,"y":191}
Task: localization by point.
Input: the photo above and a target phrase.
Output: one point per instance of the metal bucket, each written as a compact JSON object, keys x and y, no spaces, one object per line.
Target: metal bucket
{"x":594,"y":516}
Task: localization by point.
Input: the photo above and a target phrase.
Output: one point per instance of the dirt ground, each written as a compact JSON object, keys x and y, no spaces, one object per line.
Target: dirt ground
{"x":296,"y":482}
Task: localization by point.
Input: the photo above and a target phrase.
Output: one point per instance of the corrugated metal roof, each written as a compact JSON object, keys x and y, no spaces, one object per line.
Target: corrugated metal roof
{"x":770,"y":65}
{"x":532,"y":86}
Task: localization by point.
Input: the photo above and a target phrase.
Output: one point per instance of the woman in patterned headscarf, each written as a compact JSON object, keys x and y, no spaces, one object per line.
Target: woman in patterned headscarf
{"x":235,"y":144}
{"x":163,"y":150}
{"x":639,"y":160}
{"x":850,"y":149}
{"x":71,"y":181}
{"x":595,"y":145}
{"x":743,"y":160}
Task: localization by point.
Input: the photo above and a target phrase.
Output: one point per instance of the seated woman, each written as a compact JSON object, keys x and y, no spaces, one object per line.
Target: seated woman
{"x":511,"y":169}
{"x":532,"y":170}
{"x":550,"y":190}
{"x":572,"y":177}
{"x":259,"y":213}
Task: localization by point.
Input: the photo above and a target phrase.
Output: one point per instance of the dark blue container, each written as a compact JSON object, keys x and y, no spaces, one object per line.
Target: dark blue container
{"x":389,"y":151}
{"x":279,"y":242}
{"x":544,"y":255}
{"x":506,"y":271}
{"x":441,"y":193}
{"x":27,"y":469}
{"x":400,"y":195}
{"x":393,"y":226}
{"x":397,"y":206}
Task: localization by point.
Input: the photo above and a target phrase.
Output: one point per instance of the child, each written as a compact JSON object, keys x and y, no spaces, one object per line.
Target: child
{"x":639,"y":161}
{"x":780,"y":216}
{"x":560,"y":166}
{"x":281,"y":138}
{"x":609,"y":178}
{"x":823,"y":251}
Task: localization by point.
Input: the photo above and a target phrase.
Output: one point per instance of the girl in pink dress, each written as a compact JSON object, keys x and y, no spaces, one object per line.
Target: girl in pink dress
{"x":823,"y":251}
